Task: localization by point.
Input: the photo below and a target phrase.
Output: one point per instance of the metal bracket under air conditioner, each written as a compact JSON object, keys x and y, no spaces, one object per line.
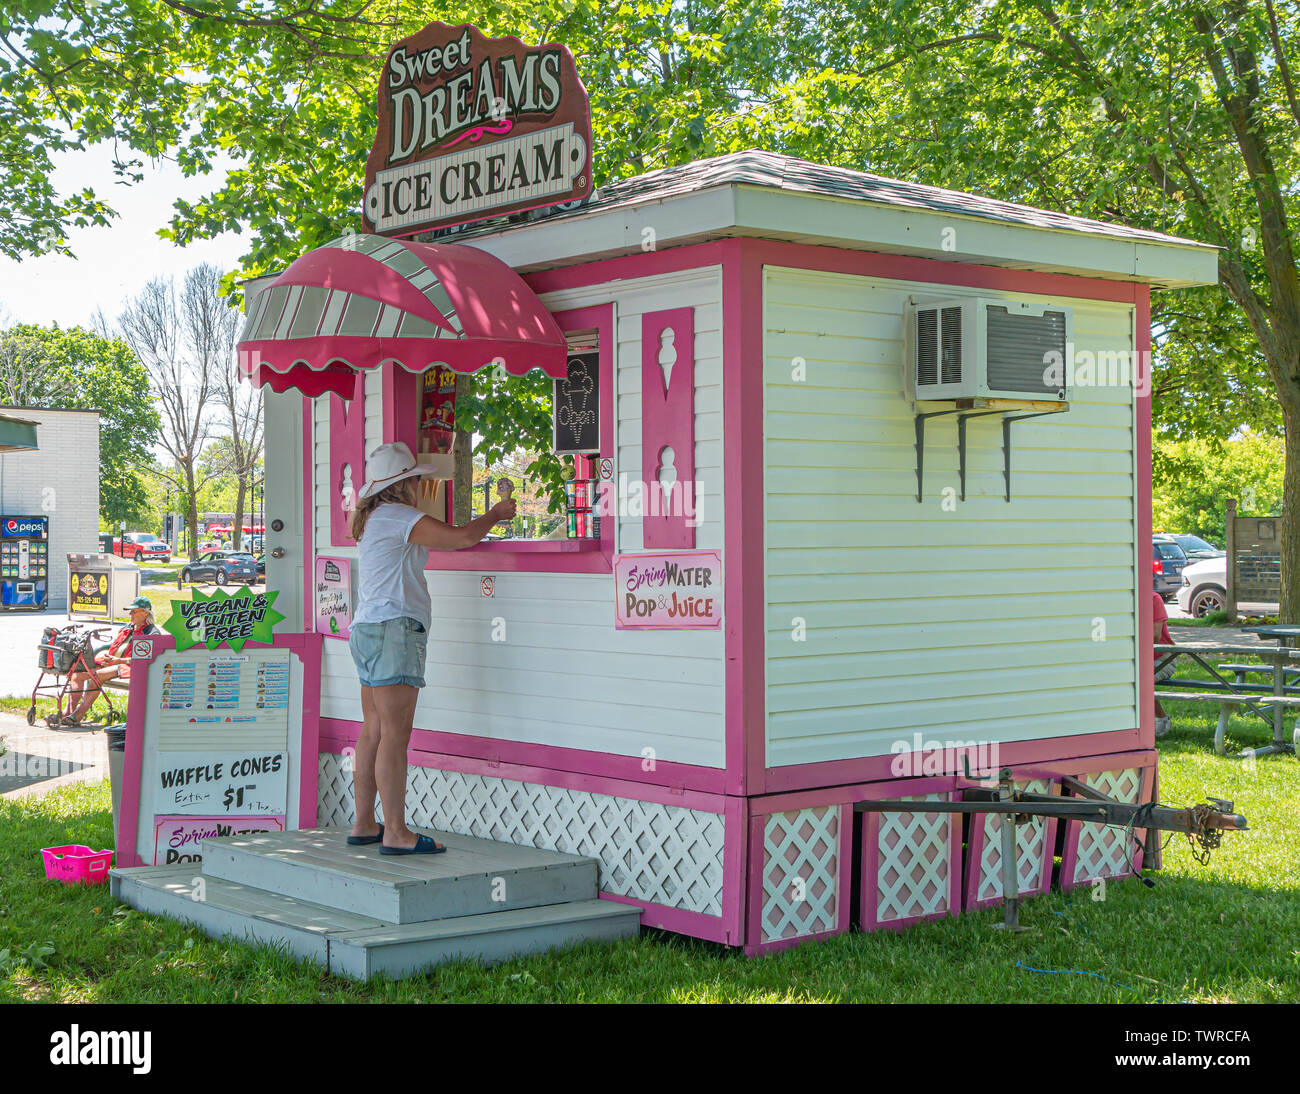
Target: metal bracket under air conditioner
{"x":971,"y":408}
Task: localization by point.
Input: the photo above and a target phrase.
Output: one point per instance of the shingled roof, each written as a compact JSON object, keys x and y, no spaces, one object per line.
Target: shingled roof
{"x":773,"y":170}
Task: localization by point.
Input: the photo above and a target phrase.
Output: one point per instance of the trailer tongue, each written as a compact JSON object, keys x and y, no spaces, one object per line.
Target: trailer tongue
{"x":1203,"y":824}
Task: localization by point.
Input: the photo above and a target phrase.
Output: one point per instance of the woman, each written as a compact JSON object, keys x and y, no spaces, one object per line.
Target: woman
{"x":113,"y":663}
{"x":390,"y":633}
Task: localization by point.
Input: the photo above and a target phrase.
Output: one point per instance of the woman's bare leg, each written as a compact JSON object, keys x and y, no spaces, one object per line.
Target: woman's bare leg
{"x":363,"y":767}
{"x":396,"y":706}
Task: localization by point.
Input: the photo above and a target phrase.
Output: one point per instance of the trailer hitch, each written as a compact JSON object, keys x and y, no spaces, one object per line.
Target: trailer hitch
{"x":1203,"y":824}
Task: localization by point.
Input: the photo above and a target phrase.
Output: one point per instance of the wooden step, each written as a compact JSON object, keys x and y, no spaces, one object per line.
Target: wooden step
{"x":408,"y":949}
{"x":357,"y":946}
{"x":474,"y":876}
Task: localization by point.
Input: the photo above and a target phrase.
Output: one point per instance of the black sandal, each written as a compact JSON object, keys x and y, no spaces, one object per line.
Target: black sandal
{"x":424,"y":845}
{"x":361,"y":841}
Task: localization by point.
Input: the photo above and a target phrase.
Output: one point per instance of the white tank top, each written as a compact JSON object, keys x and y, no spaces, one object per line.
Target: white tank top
{"x":391,"y":581}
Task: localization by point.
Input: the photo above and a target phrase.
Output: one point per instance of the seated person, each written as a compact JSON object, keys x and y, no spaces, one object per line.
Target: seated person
{"x":113,"y":663}
{"x":1160,"y":633}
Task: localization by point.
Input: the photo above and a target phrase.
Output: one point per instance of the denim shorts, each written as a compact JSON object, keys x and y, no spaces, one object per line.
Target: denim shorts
{"x":391,"y":652}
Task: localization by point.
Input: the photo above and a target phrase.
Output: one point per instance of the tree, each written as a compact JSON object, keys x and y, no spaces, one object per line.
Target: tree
{"x":290,"y":90}
{"x":1196,"y":478}
{"x":1175,"y":116}
{"x":185,"y":343}
{"x":77,"y":369}
{"x":242,"y":405}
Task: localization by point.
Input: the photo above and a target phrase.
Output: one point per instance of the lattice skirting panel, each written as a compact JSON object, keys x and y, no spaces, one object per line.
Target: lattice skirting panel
{"x":1092,"y":852}
{"x":911,"y":862}
{"x":799,"y":876}
{"x":1035,"y":846}
{"x":662,"y":854}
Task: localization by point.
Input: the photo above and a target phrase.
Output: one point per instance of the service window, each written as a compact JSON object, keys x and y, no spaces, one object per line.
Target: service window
{"x":544,"y":442}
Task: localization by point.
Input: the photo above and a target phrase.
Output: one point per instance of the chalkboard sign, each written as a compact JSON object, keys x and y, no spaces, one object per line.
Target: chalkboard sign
{"x":575,"y":405}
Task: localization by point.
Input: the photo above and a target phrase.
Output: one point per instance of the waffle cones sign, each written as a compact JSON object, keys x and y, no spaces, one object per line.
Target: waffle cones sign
{"x":473,"y":127}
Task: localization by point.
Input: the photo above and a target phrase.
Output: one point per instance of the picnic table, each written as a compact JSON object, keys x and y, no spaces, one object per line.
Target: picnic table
{"x":1239,"y":692}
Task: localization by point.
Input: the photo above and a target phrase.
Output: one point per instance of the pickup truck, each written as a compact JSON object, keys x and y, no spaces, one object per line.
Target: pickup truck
{"x":140,"y":546}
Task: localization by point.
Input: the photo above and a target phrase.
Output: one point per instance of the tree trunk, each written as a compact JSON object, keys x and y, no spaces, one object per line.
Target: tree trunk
{"x":1289,"y":604}
{"x":192,"y":504}
{"x":463,"y":484}
{"x":238,"y":530}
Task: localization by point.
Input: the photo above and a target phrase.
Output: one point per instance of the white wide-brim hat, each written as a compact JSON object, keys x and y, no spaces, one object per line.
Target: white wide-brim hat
{"x":390,"y":463}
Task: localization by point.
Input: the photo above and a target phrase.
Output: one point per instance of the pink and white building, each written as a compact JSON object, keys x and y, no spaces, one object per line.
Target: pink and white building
{"x":867,"y":642}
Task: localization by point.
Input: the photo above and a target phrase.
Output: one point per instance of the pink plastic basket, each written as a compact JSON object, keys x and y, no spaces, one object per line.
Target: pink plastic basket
{"x":76,"y":865}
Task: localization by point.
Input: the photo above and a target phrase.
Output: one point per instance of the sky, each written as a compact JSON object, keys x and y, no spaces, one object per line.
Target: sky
{"x":112,"y":263}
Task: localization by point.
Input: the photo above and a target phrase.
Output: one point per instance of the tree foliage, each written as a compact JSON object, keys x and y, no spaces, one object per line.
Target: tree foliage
{"x":77,"y":369}
{"x":1166,"y":114}
{"x":1196,"y":477}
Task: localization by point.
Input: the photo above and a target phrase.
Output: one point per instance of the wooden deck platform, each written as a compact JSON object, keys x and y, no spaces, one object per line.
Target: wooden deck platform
{"x":359,"y":913}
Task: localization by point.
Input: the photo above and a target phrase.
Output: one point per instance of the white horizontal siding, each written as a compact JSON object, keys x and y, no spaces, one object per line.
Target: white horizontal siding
{"x":559,"y":673}
{"x":563,"y":675}
{"x":974,"y":620}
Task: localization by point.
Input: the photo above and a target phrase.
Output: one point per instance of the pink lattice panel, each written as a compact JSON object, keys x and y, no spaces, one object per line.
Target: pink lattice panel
{"x":911,"y":865}
{"x":801,"y":875}
{"x":1094,"y":852}
{"x":1035,"y":843}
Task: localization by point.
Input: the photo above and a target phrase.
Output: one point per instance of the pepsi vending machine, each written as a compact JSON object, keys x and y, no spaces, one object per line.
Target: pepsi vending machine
{"x":24,"y":563}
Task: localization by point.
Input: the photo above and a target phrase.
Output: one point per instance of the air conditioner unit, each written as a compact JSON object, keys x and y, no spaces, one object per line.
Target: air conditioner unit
{"x":988,"y":349}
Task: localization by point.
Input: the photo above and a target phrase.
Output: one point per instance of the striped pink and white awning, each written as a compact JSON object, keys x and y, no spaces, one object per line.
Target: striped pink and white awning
{"x":362,"y":300}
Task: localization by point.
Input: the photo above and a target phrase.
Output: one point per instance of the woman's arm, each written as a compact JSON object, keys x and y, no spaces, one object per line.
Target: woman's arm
{"x":431,"y":532}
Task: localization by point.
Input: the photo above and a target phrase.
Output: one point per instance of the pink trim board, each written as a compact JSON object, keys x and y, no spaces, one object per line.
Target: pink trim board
{"x":309,"y":513}
{"x":347,"y":451}
{"x":743,"y":594}
{"x":1142,"y":484}
{"x":668,"y":426}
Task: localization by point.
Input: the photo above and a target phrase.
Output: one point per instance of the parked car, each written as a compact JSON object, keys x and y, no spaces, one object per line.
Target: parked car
{"x":210,"y":545}
{"x":1204,"y":587}
{"x":139,"y":546}
{"x":1169,"y":562}
{"x":261,"y":568}
{"x":220,"y":567}
{"x":1196,"y":548}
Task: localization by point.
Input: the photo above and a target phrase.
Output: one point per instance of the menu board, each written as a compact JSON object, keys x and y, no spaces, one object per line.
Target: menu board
{"x":234,"y":689}
{"x":218,"y":743}
{"x":575,"y":405}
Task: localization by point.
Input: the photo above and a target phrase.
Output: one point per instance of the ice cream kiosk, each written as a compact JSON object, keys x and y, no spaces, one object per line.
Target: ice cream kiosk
{"x":823,"y":472}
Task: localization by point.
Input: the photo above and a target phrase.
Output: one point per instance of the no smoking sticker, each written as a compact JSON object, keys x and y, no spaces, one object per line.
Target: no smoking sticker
{"x":488,"y":585}
{"x":607,"y":468}
{"x":142,"y":649}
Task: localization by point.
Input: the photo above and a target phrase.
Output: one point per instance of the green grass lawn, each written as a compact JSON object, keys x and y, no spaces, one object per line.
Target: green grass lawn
{"x":1228,"y":932}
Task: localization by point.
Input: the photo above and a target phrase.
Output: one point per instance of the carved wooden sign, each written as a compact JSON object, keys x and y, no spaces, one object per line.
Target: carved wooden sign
{"x":473,"y":127}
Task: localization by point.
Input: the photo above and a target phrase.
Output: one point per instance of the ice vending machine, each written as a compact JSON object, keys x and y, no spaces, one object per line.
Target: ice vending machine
{"x":24,"y":563}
